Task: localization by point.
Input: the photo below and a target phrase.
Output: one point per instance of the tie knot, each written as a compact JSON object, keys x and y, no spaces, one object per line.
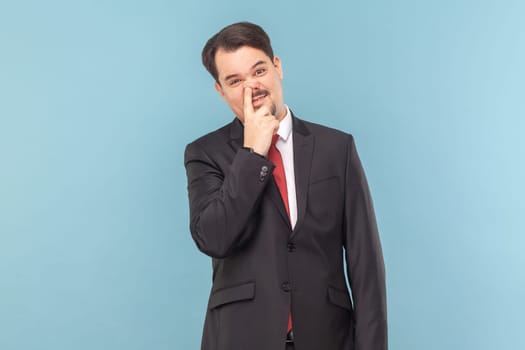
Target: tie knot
{"x":274,"y":139}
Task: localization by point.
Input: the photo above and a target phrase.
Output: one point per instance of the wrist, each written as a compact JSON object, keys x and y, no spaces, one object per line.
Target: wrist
{"x":251,"y":150}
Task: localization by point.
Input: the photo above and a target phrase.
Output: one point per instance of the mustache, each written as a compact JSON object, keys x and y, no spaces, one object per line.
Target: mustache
{"x":260,"y":93}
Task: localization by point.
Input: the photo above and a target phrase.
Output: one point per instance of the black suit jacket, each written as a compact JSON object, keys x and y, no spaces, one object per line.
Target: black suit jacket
{"x":262,"y":269}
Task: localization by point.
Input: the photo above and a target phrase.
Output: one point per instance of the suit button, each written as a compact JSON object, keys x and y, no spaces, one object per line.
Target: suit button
{"x":286,"y":287}
{"x":291,"y":247}
{"x":263,"y":173}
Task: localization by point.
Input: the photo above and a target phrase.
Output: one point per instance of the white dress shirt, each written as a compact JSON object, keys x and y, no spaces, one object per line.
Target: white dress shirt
{"x":285,"y":146}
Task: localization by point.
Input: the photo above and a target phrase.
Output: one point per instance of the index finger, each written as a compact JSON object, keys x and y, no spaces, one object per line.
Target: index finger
{"x":248,"y":106}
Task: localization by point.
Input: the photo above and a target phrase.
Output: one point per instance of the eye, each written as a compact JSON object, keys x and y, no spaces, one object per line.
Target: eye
{"x":260,"y":71}
{"x":234,"y":82}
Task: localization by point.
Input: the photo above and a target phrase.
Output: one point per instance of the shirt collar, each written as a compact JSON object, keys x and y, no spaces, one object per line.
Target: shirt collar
{"x":285,"y":125}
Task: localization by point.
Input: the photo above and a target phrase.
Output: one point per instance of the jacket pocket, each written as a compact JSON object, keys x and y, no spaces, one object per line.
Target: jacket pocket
{"x":340,"y":298}
{"x":232,"y":294}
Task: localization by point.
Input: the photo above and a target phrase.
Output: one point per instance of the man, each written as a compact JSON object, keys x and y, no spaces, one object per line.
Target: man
{"x":281,"y":204}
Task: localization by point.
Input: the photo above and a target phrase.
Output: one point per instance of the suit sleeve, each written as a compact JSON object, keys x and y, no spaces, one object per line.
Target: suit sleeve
{"x":223,"y":202}
{"x":364,"y":258}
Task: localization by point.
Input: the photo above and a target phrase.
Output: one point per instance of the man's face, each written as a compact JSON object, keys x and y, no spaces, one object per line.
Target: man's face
{"x":250,"y":67}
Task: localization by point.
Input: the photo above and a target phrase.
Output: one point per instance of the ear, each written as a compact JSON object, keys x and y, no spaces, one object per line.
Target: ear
{"x":278,"y":66}
{"x":218,"y":87}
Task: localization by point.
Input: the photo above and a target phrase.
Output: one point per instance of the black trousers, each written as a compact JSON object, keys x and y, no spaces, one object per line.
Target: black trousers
{"x":289,"y":346}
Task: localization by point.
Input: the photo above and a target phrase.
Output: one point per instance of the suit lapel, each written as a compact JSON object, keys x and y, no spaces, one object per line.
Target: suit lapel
{"x":275,"y":195}
{"x":303,"y":145}
{"x":236,"y":135}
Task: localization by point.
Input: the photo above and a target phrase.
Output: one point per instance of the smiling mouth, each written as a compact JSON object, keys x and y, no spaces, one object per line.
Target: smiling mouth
{"x":258,"y":96}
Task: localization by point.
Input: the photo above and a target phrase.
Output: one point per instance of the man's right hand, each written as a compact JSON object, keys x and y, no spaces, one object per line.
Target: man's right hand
{"x":259,"y":125}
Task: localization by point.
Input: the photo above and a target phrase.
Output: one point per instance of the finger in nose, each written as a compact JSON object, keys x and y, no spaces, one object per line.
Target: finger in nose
{"x":251,"y":85}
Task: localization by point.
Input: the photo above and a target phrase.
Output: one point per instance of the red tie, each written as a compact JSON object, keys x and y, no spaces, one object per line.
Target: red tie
{"x":280,"y":178}
{"x":278,"y":173}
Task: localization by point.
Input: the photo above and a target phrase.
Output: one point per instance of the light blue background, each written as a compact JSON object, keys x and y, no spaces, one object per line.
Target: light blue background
{"x":99,"y":98}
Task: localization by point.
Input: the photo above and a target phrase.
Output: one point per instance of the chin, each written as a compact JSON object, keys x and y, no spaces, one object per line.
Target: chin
{"x":273,"y":109}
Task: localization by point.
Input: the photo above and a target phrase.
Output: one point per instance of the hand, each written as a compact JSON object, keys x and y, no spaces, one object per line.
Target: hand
{"x":259,"y":125}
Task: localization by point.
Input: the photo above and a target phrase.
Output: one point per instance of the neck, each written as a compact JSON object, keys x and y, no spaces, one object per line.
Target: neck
{"x":280,"y":116}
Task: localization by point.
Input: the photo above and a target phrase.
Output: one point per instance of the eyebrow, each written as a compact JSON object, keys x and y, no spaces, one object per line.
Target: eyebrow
{"x":254,"y":66}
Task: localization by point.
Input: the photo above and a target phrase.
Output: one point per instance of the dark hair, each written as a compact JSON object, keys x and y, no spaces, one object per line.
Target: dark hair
{"x":231,"y":38}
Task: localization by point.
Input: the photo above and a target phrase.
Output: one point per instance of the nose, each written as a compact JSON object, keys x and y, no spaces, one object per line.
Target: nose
{"x":252,"y":83}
